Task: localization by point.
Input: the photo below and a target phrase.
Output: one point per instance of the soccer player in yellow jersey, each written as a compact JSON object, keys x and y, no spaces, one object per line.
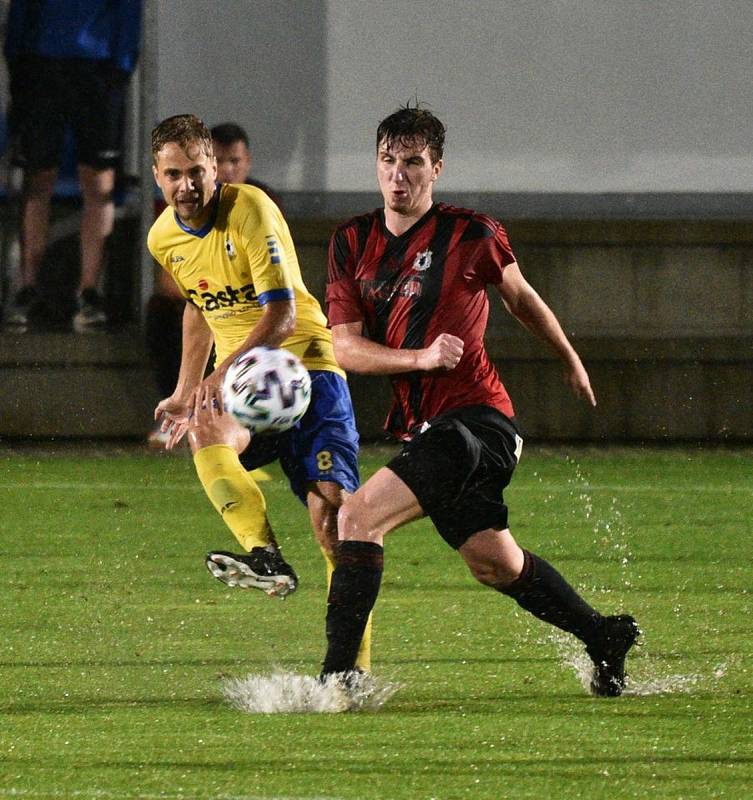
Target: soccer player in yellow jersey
{"x":229,"y":250}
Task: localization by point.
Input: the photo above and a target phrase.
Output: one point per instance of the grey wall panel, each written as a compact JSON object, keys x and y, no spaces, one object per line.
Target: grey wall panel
{"x":581,"y":96}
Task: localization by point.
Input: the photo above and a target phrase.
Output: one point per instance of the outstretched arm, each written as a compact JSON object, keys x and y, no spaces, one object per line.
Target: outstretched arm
{"x":356,"y":353}
{"x":525,"y":304}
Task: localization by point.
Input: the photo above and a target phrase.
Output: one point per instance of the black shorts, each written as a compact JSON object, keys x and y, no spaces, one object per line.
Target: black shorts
{"x":457,"y":468}
{"x":49,"y":95}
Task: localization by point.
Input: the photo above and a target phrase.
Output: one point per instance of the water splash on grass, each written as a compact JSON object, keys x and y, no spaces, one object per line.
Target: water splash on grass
{"x":640,"y":680}
{"x":613,"y":541}
{"x":289,"y":693}
{"x":609,"y":526}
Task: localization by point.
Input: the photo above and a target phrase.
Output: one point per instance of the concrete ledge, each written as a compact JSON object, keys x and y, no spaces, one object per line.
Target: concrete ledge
{"x":644,"y":206}
{"x":659,"y":309}
{"x":65,"y":349}
{"x":533,"y":230}
{"x":596,"y":349}
{"x":66,"y":385}
{"x":646,"y":389}
{"x":77,"y":402}
{"x":689,"y":389}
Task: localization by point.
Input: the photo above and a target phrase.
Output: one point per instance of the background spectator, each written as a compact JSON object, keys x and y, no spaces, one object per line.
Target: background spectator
{"x":69,"y":66}
{"x":231,"y":149}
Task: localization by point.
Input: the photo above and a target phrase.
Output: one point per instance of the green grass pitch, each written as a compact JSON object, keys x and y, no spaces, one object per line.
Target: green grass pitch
{"x":115,"y":640}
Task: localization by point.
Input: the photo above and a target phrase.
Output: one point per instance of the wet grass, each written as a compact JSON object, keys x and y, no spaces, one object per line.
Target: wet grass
{"x":115,"y":640}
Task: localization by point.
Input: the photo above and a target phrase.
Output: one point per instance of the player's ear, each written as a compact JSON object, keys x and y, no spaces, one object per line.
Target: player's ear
{"x":437,"y":169}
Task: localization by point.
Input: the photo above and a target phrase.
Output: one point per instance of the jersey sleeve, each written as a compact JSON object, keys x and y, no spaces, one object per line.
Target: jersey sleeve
{"x":342,"y":297}
{"x":266,"y":240}
{"x":497,"y":255}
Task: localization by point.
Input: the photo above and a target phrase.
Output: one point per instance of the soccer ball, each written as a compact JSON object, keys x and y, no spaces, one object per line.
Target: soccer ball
{"x":267,"y":389}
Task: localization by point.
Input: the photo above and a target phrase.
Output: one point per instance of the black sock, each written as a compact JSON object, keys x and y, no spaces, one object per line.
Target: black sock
{"x":352,"y":594}
{"x":543,"y":592}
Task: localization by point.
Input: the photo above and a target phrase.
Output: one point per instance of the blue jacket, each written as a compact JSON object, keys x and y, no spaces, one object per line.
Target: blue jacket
{"x":101,"y":30}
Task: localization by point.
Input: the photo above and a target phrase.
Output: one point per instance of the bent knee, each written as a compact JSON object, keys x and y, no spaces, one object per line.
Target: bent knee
{"x":201,"y":436}
{"x":349,"y":519}
{"x":494,"y":574}
{"x":217,"y":432}
{"x":493,"y":557}
{"x":355,"y":521}
{"x":330,"y":493}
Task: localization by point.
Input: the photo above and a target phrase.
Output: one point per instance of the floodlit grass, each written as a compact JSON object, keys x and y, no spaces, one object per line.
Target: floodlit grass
{"x":115,"y":640}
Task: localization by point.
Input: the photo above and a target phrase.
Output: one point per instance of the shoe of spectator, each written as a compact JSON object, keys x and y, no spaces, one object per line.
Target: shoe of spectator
{"x":91,"y":313}
{"x":20,"y":309}
{"x":263,"y":568}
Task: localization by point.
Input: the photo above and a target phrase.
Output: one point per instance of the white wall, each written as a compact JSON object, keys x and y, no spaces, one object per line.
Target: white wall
{"x":260,"y":63}
{"x":538,"y":95}
{"x":562,"y":95}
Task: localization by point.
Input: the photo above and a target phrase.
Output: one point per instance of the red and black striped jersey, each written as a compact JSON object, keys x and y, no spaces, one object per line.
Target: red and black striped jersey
{"x":408,"y":289}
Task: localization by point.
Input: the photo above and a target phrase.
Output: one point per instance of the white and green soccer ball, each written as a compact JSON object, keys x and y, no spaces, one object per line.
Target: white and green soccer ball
{"x":267,"y":389}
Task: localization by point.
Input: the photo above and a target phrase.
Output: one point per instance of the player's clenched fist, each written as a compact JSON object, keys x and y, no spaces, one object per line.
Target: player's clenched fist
{"x":443,"y":353}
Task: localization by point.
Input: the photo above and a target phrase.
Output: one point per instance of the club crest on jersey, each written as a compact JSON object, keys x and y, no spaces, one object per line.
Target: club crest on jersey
{"x":229,"y":249}
{"x":422,"y":261}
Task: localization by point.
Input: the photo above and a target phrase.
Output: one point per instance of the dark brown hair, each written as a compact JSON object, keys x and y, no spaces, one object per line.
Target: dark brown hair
{"x":411,"y":124}
{"x":228,"y":133}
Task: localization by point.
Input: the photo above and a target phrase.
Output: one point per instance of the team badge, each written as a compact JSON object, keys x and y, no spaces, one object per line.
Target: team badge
{"x":423,"y":261}
{"x":229,"y":249}
{"x":176,"y":259}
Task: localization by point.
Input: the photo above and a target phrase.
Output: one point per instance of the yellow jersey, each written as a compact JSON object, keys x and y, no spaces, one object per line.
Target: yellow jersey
{"x":241,"y":259}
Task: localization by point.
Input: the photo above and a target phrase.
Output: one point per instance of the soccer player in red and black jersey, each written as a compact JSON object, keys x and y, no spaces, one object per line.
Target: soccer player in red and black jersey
{"x":407,"y":297}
